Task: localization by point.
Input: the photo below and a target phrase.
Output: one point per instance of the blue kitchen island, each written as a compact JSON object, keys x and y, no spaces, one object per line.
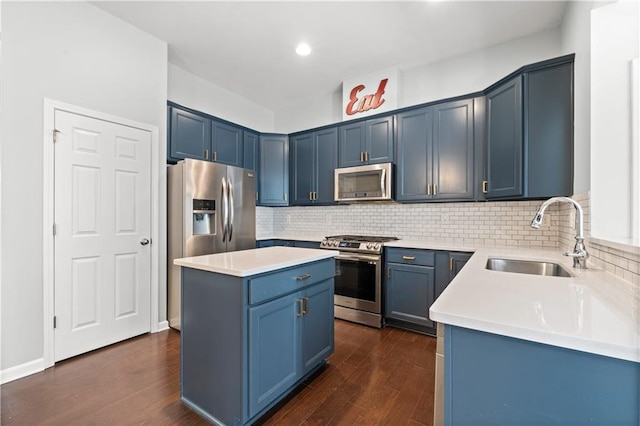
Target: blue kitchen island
{"x":255,"y":324}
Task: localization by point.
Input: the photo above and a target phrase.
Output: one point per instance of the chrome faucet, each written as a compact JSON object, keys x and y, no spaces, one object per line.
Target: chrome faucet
{"x":579,"y":253}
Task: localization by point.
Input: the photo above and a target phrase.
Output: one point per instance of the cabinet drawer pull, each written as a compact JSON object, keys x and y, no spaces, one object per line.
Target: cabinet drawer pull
{"x":409,"y":257}
{"x":300,"y":303}
{"x":303,"y":277}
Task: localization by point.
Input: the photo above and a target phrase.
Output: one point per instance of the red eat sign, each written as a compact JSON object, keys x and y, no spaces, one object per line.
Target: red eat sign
{"x":368,"y":101}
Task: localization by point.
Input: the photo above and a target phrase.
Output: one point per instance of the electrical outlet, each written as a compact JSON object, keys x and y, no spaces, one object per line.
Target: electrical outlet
{"x":327,"y":219}
{"x":287,"y":219}
{"x":444,"y":219}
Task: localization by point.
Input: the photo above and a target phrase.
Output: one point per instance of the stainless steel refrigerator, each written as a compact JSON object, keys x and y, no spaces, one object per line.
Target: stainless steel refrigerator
{"x":211,"y":208}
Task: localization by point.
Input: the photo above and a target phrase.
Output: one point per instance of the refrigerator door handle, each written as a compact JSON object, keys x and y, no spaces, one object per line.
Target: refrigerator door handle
{"x":231,"y":208}
{"x":225,"y":210}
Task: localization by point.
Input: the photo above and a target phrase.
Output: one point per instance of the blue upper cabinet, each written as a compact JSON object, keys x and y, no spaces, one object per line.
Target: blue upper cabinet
{"x":314,"y":156}
{"x":379,"y":140}
{"x":504,"y":140}
{"x":436,"y":153}
{"x":351,"y":144}
{"x":302,"y":166}
{"x":366,"y":142}
{"x":251,"y":154}
{"x":326,"y":161}
{"x":453,"y":151}
{"x":202,"y":137}
{"x":274,"y":170}
{"x":529,"y":144}
{"x":227,"y":144}
{"x":190,"y":135}
{"x":415,"y":141}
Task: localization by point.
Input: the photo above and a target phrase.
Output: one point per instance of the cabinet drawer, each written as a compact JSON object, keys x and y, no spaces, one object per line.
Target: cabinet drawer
{"x":279,"y":283}
{"x":411,"y":256}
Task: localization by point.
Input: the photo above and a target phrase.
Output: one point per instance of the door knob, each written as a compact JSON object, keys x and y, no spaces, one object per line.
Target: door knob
{"x":144,"y":241}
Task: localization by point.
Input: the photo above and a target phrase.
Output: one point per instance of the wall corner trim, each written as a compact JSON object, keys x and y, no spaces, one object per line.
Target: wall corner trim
{"x":162,"y":326}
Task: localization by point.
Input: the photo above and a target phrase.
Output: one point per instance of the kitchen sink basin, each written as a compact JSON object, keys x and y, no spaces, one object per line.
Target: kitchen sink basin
{"x":527,"y":267}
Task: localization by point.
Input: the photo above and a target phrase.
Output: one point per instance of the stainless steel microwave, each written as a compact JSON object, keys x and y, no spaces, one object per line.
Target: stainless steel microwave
{"x":363,"y":183}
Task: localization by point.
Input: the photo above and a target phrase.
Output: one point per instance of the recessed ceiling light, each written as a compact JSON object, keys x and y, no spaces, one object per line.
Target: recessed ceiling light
{"x":303,"y":49}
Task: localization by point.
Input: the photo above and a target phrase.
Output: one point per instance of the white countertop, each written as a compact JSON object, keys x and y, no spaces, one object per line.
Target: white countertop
{"x":592,"y":311}
{"x":256,"y":261}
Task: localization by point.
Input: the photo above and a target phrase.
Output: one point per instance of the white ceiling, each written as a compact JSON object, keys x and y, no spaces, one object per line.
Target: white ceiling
{"x":248,"y":47}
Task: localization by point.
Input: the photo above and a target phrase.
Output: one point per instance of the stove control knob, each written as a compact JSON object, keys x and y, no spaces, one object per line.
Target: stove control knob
{"x":376,"y":246}
{"x":369,"y":246}
{"x":323,"y":243}
{"x":335,"y":243}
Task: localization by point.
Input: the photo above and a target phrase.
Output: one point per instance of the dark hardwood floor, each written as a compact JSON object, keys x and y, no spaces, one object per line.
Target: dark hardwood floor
{"x":374,"y":377}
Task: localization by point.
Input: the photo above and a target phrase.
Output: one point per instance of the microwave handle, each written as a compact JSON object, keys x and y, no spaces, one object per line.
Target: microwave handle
{"x":383,"y":182}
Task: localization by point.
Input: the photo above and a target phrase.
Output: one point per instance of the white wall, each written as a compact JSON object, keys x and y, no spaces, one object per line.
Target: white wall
{"x":74,"y":53}
{"x":614,"y":43}
{"x":576,"y":38}
{"x":194,"y":92}
{"x":453,"y":77}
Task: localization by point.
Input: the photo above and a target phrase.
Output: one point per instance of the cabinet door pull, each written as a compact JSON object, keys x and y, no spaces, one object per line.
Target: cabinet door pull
{"x":484,"y":186}
{"x":310,"y":195}
{"x":303,"y":277}
{"x":361,"y":156}
{"x":257,"y":196}
{"x":409,"y":257}
{"x":215,"y":155}
{"x":300,"y":303}
{"x":428,"y":189}
{"x":366,"y":156}
{"x":451,"y":263}
{"x":206,"y":154}
{"x":305,"y":305}
{"x":435,"y":189}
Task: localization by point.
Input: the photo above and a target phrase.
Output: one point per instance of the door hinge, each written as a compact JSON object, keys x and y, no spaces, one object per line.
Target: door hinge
{"x":54,"y":229}
{"x":55,"y":321}
{"x":55,"y":135}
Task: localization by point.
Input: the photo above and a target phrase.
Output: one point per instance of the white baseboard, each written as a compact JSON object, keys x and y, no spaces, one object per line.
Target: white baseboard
{"x":22,"y":370}
{"x":163,"y":325}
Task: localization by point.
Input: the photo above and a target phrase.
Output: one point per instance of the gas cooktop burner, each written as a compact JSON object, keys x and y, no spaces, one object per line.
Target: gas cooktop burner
{"x":362,"y":238}
{"x":356,"y":243}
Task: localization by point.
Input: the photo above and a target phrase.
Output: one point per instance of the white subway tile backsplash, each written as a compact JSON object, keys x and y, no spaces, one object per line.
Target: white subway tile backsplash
{"x":490,"y":224}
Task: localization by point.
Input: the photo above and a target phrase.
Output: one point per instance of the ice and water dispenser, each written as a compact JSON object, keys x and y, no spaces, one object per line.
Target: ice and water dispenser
{"x":204,"y":217}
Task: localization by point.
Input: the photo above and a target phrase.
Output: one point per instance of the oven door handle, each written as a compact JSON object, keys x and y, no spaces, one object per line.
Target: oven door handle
{"x":358,"y":258}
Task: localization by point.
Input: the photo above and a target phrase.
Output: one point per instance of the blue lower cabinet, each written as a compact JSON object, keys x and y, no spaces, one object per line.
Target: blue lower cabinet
{"x":410,"y":291}
{"x":289,"y":337}
{"x":274,"y":341}
{"x":246,"y":342}
{"x":317,"y":338}
{"x":499,"y":380}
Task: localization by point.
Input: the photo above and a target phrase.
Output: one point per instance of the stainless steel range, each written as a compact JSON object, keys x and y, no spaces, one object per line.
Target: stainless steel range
{"x":358,"y":281}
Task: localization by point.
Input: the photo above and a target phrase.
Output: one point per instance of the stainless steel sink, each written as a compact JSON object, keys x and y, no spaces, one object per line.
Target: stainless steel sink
{"x":527,"y":267}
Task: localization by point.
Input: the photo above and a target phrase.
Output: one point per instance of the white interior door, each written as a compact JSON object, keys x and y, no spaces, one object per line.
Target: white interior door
{"x":102,"y":257}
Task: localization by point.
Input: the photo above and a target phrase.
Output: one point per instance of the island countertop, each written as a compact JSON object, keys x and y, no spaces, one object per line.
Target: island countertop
{"x":245,"y":263}
{"x":591,"y":311}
